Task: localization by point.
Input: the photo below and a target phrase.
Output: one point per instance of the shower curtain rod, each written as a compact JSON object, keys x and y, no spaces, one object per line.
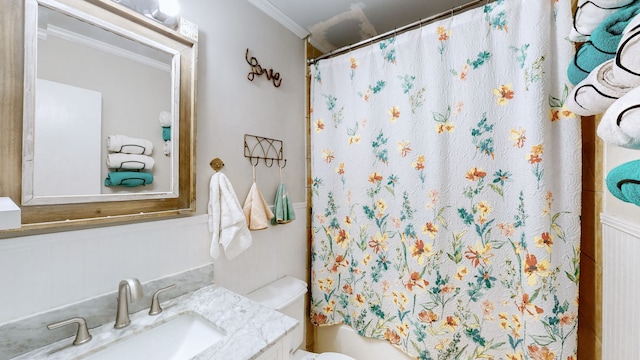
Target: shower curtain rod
{"x":458,"y":9}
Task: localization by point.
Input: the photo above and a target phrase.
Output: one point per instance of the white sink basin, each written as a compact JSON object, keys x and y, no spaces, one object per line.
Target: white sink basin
{"x":181,"y":338}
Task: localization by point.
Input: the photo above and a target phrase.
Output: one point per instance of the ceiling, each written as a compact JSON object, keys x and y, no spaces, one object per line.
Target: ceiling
{"x":332,"y":24}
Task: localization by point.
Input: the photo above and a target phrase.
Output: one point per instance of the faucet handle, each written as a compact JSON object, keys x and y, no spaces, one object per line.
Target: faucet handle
{"x":155,"y":308}
{"x":82,"y":336}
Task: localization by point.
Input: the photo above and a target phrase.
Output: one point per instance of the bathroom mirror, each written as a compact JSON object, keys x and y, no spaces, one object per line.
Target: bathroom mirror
{"x":108,"y":116}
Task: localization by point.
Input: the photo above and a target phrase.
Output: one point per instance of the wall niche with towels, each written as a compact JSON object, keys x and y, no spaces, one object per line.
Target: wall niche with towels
{"x":106,"y":116}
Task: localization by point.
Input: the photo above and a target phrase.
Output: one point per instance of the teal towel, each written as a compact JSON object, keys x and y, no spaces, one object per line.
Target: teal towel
{"x":128,"y":178}
{"x":623,"y":182}
{"x":602,"y":44}
{"x":166,"y":133}
{"x":282,"y":209}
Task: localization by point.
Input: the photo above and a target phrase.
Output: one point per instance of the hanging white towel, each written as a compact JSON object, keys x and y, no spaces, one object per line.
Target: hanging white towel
{"x":129,"y":145}
{"x":226,"y":220}
{"x":256,"y":210}
{"x":129,"y":161}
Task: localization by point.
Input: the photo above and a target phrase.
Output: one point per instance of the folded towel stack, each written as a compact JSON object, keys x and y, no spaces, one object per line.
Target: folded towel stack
{"x":128,"y":153}
{"x":166,"y":122}
{"x":129,"y":145}
{"x":602,"y":44}
{"x":591,"y":13}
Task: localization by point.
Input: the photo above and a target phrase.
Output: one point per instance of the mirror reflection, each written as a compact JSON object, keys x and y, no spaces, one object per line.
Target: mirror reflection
{"x":102,"y":125}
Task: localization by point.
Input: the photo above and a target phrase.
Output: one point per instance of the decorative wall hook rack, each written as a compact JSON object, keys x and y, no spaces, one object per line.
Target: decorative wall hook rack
{"x":258,"y":148}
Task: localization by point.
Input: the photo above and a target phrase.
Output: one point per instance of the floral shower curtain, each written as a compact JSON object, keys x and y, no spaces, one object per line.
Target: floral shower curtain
{"x":446,"y":187}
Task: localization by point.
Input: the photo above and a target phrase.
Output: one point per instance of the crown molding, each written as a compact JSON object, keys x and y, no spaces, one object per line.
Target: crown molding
{"x":101,"y":46}
{"x":275,"y":13}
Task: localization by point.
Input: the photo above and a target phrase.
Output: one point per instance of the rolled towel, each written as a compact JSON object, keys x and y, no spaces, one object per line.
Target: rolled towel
{"x":620,"y":124}
{"x":597,"y":92}
{"x":602,"y":44}
{"x":591,"y":13}
{"x":128,"y":178}
{"x":623,"y":182}
{"x":165,"y":118}
{"x":129,"y":161}
{"x":129,"y":145}
{"x":166,"y":148}
{"x":166,"y":133}
{"x":627,"y":61}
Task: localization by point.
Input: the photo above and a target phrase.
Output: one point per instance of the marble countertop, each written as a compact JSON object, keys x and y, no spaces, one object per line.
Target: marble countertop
{"x":250,"y":328}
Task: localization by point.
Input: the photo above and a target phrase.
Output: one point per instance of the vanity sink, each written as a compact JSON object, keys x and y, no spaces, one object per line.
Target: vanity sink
{"x":180,"y":338}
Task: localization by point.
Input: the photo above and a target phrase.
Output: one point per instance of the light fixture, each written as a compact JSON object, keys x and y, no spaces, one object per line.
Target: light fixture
{"x":167,"y":12}
{"x":163,"y":11}
{"x":170,"y":8}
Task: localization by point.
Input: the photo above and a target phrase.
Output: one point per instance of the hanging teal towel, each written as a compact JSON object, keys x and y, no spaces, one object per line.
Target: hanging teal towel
{"x":623,"y":182}
{"x":166,"y":133}
{"x":128,"y":178}
{"x":282,"y":209}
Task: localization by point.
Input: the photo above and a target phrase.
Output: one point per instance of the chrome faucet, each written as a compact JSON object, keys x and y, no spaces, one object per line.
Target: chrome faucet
{"x":134,"y":289}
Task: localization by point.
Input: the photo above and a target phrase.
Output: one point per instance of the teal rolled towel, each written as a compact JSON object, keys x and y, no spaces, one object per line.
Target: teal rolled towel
{"x":166,"y":133}
{"x":602,"y":44}
{"x":128,"y":178}
{"x":623,"y":182}
{"x":282,"y":209}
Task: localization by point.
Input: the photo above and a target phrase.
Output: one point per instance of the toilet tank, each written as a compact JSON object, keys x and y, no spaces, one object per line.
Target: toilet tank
{"x":285,"y":295}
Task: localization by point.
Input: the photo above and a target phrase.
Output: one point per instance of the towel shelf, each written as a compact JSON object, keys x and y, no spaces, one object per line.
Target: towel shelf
{"x":262,"y":148}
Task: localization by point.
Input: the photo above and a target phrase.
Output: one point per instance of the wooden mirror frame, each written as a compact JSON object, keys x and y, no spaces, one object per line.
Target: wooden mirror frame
{"x":41,"y":218}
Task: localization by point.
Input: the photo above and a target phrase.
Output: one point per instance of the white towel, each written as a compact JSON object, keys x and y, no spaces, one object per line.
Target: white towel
{"x":597,"y":92}
{"x":129,"y":161}
{"x":626,"y":67}
{"x":590,"y":13}
{"x":166,"y":148}
{"x":620,"y":124}
{"x":227,"y":223}
{"x":129,"y":145}
{"x":165,"y":119}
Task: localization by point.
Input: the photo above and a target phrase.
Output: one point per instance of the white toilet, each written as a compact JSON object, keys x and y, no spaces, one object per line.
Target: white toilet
{"x":286,"y":295}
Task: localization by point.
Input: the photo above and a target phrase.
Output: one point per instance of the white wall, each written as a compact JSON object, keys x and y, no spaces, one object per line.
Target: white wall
{"x":41,"y":272}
